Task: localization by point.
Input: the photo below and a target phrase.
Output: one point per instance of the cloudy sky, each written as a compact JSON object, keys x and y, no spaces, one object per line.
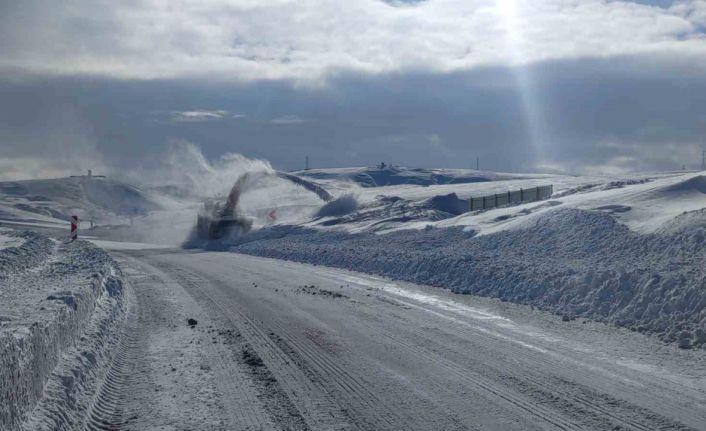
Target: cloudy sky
{"x":538,"y":85}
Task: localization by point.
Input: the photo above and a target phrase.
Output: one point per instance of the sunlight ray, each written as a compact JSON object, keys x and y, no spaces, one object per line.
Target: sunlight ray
{"x":509,"y":15}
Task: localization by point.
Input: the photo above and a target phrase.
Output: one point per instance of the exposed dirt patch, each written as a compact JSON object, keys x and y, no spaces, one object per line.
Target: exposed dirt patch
{"x":314,"y":290}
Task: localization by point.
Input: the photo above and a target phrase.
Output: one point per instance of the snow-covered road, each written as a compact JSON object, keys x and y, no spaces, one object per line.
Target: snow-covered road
{"x":282,"y":345}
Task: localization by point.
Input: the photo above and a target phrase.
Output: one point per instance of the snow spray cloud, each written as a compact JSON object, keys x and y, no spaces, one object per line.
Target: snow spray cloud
{"x":260,"y":189}
{"x":181,"y":181}
{"x":185,"y":169}
{"x":262,"y":195}
{"x":293,"y":197}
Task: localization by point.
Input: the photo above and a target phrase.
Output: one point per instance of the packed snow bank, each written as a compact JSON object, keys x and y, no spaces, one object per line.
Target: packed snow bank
{"x":59,"y":305}
{"x":34,"y":250}
{"x":570,"y":261}
{"x":9,"y":240}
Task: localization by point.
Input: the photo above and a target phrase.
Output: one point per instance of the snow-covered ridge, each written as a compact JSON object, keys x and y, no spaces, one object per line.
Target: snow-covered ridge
{"x":55,"y":200}
{"x":644,"y":202}
{"x":382,"y":176}
{"x":60,"y":308}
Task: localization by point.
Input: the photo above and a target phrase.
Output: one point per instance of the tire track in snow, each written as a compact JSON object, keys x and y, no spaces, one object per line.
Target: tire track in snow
{"x":350,"y":391}
{"x":106,"y":410}
{"x":316,"y":408}
{"x":569,"y":398}
{"x":544,"y":387}
{"x":243,"y":411}
{"x":573,"y":396}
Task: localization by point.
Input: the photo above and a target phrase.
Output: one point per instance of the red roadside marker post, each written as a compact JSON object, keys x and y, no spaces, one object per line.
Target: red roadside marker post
{"x":74,"y":227}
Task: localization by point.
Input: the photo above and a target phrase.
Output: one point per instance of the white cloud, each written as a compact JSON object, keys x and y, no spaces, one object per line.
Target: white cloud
{"x":201,"y":115}
{"x":288,"y":119}
{"x":307,"y":40}
{"x":612,"y":157}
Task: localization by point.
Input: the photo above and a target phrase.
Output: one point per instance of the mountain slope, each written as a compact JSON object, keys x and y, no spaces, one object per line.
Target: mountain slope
{"x":51,"y":200}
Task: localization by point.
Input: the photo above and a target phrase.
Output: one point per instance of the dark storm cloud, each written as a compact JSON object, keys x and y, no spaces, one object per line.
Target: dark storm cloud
{"x":607,"y":85}
{"x":618,"y":114}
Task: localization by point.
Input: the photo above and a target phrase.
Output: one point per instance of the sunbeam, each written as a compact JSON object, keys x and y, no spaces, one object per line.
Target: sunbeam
{"x":509,"y":13}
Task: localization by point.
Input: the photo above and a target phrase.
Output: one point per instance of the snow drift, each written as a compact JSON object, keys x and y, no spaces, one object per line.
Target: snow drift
{"x":693,"y":184}
{"x":340,"y":206}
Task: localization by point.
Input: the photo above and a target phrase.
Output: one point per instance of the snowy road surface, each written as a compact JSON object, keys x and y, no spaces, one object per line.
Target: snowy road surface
{"x":281,"y":345}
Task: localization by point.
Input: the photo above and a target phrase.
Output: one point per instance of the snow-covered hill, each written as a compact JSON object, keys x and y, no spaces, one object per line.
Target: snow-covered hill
{"x":102,"y":200}
{"x":398,"y":175}
{"x":634,"y":199}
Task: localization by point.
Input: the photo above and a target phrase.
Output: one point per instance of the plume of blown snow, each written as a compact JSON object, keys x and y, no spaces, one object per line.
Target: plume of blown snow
{"x":183,"y":178}
{"x":185,"y":168}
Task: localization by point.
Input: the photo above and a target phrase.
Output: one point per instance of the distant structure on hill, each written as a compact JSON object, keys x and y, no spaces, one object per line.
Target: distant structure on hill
{"x":88,"y":175}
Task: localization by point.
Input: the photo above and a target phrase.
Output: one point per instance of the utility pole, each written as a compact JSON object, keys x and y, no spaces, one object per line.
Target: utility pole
{"x":306,"y":163}
{"x":477,"y":163}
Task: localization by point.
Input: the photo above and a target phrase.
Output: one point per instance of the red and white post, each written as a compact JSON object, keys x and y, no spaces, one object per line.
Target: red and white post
{"x":74,"y":227}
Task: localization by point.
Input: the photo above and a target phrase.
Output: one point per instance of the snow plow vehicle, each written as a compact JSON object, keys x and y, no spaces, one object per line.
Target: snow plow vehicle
{"x":216,"y":221}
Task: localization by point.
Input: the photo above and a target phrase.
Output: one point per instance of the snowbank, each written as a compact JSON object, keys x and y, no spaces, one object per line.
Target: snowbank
{"x":8,"y":240}
{"x":570,"y":261}
{"x":340,"y":206}
{"x":59,"y":303}
{"x":34,"y":250}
